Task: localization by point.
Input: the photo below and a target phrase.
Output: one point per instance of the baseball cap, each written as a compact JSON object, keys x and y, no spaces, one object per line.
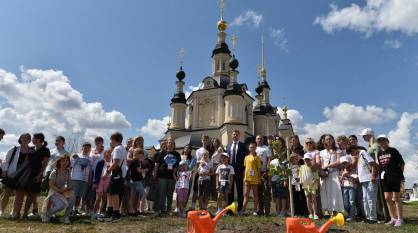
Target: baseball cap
{"x":344,"y":159}
{"x":382,"y":136}
{"x":225,"y":154}
{"x":367,"y":131}
{"x":307,"y":156}
{"x":183,"y":162}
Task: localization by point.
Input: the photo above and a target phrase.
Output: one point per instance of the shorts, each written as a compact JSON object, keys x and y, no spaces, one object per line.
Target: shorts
{"x":79,"y":188}
{"x":391,"y":187}
{"x":278,"y":191}
{"x":116,"y":186}
{"x":182,"y":195}
{"x":204,"y":188}
{"x":138,"y":187}
{"x":103,"y":185}
{"x":224,"y":188}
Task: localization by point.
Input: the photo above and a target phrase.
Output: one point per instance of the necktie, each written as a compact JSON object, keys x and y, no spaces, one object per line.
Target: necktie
{"x":234,"y":153}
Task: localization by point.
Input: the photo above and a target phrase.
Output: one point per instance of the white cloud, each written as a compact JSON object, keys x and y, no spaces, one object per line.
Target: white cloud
{"x":394,"y":44}
{"x":375,"y":16}
{"x":191,"y":88}
{"x":279,"y":38}
{"x":44,"y":101}
{"x":155,"y":127}
{"x":249,"y":18}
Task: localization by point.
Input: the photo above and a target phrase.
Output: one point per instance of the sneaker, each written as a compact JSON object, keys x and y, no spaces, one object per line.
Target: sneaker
{"x":255,"y":214}
{"x":315,"y":217}
{"x":116,"y":218}
{"x":67,"y":220}
{"x":349,"y":220}
{"x":371,"y":221}
{"x":45,"y":218}
{"x":391,"y":222}
{"x":398,"y":223}
{"x":311,"y":216}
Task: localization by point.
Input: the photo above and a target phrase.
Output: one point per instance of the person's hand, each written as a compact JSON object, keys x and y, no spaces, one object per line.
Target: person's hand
{"x":373,"y":179}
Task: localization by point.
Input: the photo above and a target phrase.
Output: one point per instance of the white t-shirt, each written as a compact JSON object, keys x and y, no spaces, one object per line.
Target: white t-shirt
{"x":120,"y":153}
{"x":264,"y":153}
{"x":224,"y":171}
{"x":81,"y":168}
{"x":204,"y":167}
{"x":363,"y":166}
{"x":183,"y":180}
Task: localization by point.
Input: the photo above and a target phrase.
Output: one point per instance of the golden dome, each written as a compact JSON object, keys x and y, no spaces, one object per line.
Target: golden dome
{"x":263,"y":72}
{"x":222,"y":25}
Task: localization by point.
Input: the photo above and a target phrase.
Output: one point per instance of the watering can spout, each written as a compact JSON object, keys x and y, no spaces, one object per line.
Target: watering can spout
{"x":338,"y":220}
{"x":232,"y":207}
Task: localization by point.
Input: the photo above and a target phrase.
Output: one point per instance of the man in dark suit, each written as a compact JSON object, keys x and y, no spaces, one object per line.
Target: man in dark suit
{"x":237,"y":151}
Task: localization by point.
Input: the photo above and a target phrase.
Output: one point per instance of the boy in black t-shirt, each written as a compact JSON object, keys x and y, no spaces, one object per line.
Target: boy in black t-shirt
{"x":391,"y":167}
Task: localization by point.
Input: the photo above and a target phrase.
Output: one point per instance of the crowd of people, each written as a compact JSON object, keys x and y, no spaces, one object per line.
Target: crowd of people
{"x":318,"y":179}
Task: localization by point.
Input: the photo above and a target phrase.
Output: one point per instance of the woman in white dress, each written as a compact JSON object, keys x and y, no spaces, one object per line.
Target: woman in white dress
{"x":331,"y":196}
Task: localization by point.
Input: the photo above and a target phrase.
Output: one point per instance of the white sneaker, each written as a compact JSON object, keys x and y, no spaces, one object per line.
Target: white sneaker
{"x":255,"y":214}
{"x":391,"y":222}
{"x":67,"y":220}
{"x":315,"y":217}
{"x":311,"y":216}
{"x":398,"y":223}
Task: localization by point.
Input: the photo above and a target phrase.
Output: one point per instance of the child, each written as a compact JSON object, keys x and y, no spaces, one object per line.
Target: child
{"x":80,"y":175}
{"x":60,"y":194}
{"x":101,"y":182}
{"x":309,"y":179}
{"x":252,"y":175}
{"x":147,"y":166}
{"x":224,"y":176}
{"x":299,"y":199}
{"x":204,"y":171}
{"x":136,"y":173}
{"x":279,"y":173}
{"x":349,"y":181}
{"x":182,"y":187}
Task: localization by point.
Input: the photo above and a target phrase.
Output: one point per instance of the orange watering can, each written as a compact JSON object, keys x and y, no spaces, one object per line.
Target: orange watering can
{"x":305,"y":225}
{"x":199,"y":221}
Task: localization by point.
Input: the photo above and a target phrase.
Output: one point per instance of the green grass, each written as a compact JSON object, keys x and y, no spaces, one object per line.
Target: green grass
{"x":177,"y":225}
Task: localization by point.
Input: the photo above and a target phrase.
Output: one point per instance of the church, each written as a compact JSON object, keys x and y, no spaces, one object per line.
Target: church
{"x":222,"y":104}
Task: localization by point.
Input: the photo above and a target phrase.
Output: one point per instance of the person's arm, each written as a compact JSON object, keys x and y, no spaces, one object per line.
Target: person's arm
{"x":45,"y":160}
{"x":114,"y":166}
{"x":217,"y":182}
{"x":335,"y":164}
{"x":52,"y":183}
{"x":5,"y":166}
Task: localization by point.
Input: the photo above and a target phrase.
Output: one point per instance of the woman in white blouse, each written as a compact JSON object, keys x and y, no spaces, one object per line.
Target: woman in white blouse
{"x":331,"y":196}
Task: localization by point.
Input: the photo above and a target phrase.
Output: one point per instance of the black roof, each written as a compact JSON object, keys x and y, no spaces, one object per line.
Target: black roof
{"x":179,"y":98}
{"x":221,"y":48}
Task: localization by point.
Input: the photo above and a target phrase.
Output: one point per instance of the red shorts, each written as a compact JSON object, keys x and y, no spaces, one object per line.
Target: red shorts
{"x":103,"y":184}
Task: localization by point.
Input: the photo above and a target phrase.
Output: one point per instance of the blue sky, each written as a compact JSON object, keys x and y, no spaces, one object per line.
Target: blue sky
{"x":124,"y":54}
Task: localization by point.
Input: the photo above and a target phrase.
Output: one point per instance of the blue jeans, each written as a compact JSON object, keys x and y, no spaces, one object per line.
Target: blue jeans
{"x":349,"y":197}
{"x":369,"y":199}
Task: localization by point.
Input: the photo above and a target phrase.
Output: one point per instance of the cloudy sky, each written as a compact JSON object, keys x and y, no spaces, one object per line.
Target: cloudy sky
{"x":92,"y":67}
